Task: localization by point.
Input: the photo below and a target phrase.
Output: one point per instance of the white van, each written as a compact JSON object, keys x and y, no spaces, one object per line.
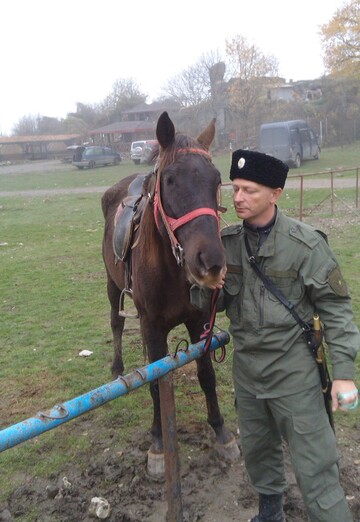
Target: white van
{"x":290,"y":141}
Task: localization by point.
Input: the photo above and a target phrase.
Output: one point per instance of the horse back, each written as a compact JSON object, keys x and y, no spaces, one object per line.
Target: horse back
{"x":114,"y":195}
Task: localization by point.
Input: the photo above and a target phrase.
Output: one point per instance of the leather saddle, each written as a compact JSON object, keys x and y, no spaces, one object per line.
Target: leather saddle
{"x":127,"y":219}
{"x":126,"y":222}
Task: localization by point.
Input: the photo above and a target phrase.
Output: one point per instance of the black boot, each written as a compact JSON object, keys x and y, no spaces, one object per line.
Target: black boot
{"x":270,"y":509}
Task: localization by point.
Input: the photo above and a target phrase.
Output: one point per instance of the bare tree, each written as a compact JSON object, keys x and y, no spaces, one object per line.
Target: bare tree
{"x":75,"y":125}
{"x":26,"y":126}
{"x":49,"y":125}
{"x":251,"y":70}
{"x":88,"y":114}
{"x":39,"y":125}
{"x":125,"y":94}
{"x":192,"y":86}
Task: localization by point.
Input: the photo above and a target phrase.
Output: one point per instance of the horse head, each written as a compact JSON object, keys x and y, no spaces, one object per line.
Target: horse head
{"x":186,"y":201}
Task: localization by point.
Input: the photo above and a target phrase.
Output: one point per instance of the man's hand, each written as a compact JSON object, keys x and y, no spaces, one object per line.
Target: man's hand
{"x":345,"y":395}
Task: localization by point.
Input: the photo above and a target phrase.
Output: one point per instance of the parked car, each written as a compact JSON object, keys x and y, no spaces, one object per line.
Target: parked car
{"x":136,"y":147}
{"x":141,"y":151}
{"x":290,"y":141}
{"x":95,"y":156}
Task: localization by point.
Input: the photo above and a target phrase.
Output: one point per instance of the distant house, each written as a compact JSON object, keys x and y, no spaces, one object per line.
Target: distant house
{"x":295,"y":91}
{"x":124,"y":132}
{"x":148,"y":112}
{"x":16,"y":148}
{"x":138,"y":123}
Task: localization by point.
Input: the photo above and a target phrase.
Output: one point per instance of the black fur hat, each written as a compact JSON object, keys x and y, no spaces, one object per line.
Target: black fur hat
{"x":258,"y":167}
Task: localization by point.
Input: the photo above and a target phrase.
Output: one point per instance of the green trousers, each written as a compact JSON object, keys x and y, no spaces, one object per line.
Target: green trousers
{"x":301,"y":421}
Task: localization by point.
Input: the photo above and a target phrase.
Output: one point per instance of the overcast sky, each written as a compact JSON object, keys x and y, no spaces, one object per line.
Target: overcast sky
{"x":54,"y":54}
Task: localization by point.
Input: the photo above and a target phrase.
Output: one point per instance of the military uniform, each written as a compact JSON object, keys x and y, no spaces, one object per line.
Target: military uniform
{"x":277,"y":385}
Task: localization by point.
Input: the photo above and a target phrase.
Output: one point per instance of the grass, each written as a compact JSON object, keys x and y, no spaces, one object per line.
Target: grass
{"x":54,"y":304}
{"x":67,"y":176}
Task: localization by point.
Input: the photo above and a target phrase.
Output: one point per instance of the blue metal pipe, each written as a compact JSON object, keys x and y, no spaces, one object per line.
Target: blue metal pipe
{"x":60,"y":413}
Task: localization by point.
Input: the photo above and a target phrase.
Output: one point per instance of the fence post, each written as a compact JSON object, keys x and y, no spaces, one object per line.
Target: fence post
{"x":301,"y":197}
{"x":171,"y":454}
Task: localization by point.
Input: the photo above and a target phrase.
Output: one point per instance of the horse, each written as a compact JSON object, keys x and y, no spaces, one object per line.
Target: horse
{"x":176,"y":243}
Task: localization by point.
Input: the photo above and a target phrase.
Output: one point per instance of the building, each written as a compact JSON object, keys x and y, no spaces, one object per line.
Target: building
{"x":138,"y":123}
{"x":19,"y":148}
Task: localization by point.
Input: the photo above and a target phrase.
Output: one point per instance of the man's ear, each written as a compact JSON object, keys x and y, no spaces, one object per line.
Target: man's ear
{"x":277,"y":193}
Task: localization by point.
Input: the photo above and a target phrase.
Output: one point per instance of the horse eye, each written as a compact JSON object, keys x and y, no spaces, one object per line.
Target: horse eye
{"x":169,"y":180}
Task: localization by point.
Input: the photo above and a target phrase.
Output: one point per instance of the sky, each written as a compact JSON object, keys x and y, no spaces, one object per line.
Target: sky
{"x":56,"y":54}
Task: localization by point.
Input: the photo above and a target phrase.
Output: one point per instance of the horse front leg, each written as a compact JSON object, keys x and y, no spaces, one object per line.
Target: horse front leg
{"x":225,"y":444}
{"x":117,"y":327}
{"x":155,"y":341}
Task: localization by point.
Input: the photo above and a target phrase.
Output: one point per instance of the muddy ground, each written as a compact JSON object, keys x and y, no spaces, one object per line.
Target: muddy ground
{"x":211,"y":490}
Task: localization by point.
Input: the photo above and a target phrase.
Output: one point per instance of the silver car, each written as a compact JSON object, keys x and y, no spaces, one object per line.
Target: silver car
{"x":141,"y":151}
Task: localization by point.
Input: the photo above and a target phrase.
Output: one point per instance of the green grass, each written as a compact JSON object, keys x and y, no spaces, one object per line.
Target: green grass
{"x":54,"y":304}
{"x":68,"y":176}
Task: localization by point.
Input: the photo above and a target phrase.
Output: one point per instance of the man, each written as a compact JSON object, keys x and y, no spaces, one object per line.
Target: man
{"x":276,"y":379}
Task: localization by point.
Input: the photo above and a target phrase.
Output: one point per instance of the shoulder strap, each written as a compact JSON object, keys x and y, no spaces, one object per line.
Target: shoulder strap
{"x":274,"y":289}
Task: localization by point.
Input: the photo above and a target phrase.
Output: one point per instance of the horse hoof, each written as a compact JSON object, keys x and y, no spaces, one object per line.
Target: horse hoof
{"x":229,"y":451}
{"x":155,"y":464}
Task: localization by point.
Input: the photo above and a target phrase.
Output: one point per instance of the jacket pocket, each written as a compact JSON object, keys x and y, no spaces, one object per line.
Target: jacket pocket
{"x":290,"y":288}
{"x":232,"y":294}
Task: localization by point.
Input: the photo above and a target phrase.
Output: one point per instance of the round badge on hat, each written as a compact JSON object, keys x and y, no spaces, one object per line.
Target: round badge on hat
{"x":241,"y":163}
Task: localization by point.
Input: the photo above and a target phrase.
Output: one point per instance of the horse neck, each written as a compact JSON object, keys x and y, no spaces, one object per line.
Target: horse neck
{"x":154,"y":248}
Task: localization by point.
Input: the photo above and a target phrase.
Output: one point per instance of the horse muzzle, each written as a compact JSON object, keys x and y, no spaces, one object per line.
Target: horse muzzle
{"x":210,"y":278}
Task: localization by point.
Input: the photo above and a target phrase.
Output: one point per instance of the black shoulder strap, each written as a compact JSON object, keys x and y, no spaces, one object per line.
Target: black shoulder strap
{"x":274,"y":289}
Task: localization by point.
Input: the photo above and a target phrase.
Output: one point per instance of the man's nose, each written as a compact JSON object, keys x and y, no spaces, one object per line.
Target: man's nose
{"x":239,"y":195}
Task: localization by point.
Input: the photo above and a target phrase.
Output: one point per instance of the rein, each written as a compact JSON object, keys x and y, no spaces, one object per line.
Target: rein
{"x":172,"y":224}
{"x":208,"y":330}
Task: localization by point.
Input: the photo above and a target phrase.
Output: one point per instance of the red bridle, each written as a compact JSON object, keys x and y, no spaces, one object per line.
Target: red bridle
{"x":172,"y":224}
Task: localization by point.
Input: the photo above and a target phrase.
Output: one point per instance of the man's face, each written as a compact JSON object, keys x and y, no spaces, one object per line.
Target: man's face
{"x":254,"y":202}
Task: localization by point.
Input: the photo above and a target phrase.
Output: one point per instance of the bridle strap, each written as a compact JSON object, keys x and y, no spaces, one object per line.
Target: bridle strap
{"x":194,"y":150}
{"x":179,"y":222}
{"x":159,"y":209}
{"x":171,"y":224}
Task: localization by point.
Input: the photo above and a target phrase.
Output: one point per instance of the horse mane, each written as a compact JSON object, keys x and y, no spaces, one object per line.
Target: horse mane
{"x":147,"y":238}
{"x":148,"y":234}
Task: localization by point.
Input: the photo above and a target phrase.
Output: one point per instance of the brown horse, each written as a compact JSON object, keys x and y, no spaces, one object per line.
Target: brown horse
{"x":176,"y":244}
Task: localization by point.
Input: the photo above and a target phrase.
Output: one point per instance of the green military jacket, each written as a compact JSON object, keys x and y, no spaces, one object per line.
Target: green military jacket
{"x":271,"y":358}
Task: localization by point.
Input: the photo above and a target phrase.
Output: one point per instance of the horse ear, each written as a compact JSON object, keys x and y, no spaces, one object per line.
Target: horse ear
{"x":165,"y":130}
{"x":207,"y":136}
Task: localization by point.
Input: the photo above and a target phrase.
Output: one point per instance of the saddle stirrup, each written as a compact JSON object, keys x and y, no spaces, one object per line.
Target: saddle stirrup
{"x":126,"y":292}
